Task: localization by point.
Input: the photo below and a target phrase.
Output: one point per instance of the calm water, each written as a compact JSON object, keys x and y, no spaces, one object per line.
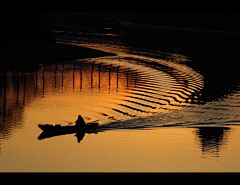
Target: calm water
{"x":159,"y":99}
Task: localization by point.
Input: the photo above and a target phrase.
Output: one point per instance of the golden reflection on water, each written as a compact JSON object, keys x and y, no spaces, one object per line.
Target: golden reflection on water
{"x":107,"y":89}
{"x":104,"y":89}
{"x":168,"y":149}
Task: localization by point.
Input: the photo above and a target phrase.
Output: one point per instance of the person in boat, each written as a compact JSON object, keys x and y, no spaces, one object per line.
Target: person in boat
{"x":80,"y":122}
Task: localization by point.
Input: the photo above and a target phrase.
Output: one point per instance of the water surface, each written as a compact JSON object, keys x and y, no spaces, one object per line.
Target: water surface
{"x":151,"y":112}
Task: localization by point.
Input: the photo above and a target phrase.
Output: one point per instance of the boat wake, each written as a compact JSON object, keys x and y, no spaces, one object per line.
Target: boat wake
{"x":167,"y":120}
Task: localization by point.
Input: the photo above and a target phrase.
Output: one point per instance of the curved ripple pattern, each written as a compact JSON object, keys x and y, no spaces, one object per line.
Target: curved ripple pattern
{"x":152,"y":86}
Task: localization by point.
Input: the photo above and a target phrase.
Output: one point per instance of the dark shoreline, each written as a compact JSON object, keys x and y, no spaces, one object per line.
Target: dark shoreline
{"x":187,"y":42}
{"x":51,"y":54}
{"x":27,"y":40}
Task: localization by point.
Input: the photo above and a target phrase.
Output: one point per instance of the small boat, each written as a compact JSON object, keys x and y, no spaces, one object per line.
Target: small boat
{"x":66,"y":129}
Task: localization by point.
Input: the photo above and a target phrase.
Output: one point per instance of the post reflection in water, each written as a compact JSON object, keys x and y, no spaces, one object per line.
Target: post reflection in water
{"x":104,"y":89}
{"x":13,"y":93}
{"x":107,"y":90}
{"x":81,"y":82}
{"x":87,"y":83}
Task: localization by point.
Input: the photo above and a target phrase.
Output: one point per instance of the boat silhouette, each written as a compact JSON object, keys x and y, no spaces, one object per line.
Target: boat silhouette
{"x":58,"y":130}
{"x":70,"y":128}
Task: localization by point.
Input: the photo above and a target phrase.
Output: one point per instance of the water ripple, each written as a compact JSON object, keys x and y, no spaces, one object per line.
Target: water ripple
{"x":152,"y":85}
{"x":104,"y":90}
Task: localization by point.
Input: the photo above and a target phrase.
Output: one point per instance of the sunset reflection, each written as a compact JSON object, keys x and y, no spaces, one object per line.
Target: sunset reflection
{"x":102,"y":90}
{"x":158,"y":92}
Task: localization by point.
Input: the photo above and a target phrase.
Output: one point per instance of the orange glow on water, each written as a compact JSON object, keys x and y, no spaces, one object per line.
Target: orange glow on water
{"x":104,"y":89}
{"x":167,"y":150}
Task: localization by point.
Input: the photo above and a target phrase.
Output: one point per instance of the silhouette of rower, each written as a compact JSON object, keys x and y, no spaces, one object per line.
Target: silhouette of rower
{"x":80,"y":122}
